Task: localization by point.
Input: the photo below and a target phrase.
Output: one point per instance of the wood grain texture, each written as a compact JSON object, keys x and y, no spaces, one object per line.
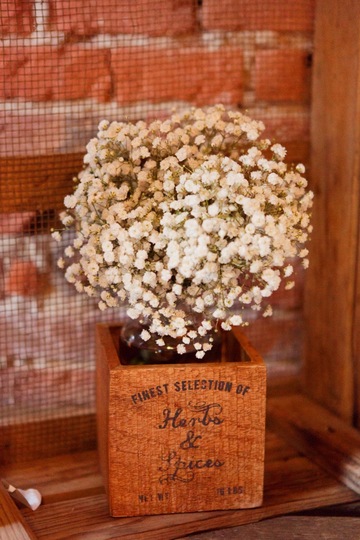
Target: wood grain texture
{"x":330,"y":296}
{"x":290,"y":528}
{"x":104,"y":342}
{"x":75,"y":505}
{"x":60,"y":478}
{"x":185,"y":437}
{"x":30,"y":438}
{"x":320,"y":435}
{"x":13,"y":526}
{"x":37,"y":182}
{"x":292,"y":484}
{"x":66,"y":432}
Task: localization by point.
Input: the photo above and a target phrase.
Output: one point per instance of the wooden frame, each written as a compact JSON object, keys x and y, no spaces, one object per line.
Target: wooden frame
{"x":295,"y":479}
{"x":332,"y":307}
{"x":331,"y":371}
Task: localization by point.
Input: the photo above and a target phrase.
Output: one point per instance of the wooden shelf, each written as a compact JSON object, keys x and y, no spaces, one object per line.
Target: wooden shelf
{"x":30,"y":183}
{"x":75,"y":506}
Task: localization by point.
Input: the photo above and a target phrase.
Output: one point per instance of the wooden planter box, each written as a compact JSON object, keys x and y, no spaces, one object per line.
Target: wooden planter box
{"x":181,"y":437}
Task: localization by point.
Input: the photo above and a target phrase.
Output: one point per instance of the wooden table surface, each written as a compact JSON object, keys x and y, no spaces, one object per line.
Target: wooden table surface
{"x":294,"y":528}
{"x":312,"y":464}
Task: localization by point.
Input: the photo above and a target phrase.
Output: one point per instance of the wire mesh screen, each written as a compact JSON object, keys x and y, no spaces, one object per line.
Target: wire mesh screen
{"x":66,"y":65}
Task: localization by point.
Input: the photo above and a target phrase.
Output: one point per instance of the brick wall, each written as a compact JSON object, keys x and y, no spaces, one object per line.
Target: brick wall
{"x":66,"y":64}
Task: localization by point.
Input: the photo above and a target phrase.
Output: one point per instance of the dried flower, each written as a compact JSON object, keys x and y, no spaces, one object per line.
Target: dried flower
{"x":187,"y":215}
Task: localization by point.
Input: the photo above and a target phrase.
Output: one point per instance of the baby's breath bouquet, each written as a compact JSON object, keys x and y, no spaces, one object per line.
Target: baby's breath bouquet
{"x":191,"y":215}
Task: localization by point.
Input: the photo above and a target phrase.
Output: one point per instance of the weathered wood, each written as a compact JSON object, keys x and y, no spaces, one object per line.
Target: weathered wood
{"x":330,"y":294}
{"x":283,"y":385}
{"x":65,"y":431}
{"x":12,"y":523}
{"x":339,"y":510}
{"x":356,"y":335}
{"x":185,"y":437}
{"x":289,"y":528}
{"x":292,"y":484}
{"x":103,"y":369}
{"x":59,"y":478}
{"x":31,"y":438}
{"x":75,"y":505}
{"x":37,"y":182}
{"x":297,"y":152}
{"x":320,"y":435}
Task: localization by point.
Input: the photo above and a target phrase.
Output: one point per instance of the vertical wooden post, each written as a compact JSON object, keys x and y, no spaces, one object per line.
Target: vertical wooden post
{"x":331,"y":305}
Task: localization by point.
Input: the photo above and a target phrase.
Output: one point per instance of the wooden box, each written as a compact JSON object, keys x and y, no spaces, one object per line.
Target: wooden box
{"x":181,"y":437}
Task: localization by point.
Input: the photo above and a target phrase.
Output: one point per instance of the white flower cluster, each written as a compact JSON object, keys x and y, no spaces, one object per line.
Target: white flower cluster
{"x":191,"y":214}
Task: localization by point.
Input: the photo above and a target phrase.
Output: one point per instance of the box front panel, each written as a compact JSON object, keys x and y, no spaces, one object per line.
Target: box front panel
{"x":186,"y":438}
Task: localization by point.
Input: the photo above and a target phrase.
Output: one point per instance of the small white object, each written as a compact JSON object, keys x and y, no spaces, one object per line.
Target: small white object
{"x":29,"y":497}
{"x":33,"y":497}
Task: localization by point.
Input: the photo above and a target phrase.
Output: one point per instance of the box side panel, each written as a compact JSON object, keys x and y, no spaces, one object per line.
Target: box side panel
{"x":249,"y":353}
{"x":186,"y":438}
{"x":104,"y":351}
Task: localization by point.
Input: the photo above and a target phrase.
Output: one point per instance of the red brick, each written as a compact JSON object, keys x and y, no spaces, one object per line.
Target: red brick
{"x":281,"y":75}
{"x":23,"y":134}
{"x":16,"y":17}
{"x":194,"y":74}
{"x":16,"y":222}
{"x":22,"y":278}
{"x":149,"y":17}
{"x":278,"y":15}
{"x":45,"y":73}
